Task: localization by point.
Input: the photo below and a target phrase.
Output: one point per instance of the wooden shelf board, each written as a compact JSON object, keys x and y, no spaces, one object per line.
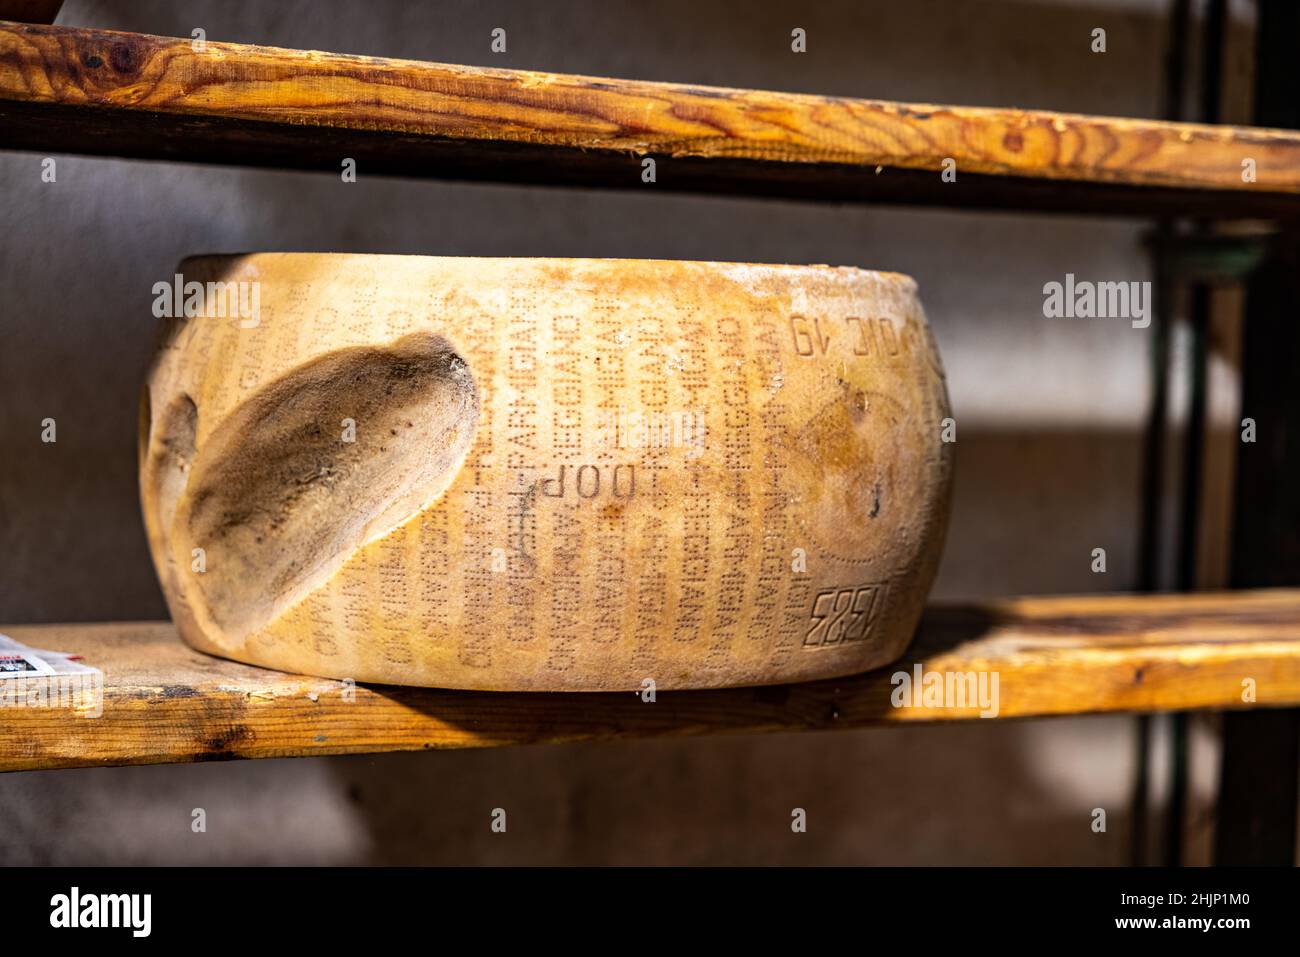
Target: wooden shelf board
{"x":92,"y":91}
{"x":163,"y":703}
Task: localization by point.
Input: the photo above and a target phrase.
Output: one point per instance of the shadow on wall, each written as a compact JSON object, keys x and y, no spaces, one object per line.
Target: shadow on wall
{"x":1034,"y":504}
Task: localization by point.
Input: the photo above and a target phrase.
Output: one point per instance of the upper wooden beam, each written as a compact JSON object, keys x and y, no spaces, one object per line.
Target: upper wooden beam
{"x":163,"y":702}
{"x":95,"y":91}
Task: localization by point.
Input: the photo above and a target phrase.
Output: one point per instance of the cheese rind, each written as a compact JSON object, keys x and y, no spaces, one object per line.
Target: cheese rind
{"x":534,"y":474}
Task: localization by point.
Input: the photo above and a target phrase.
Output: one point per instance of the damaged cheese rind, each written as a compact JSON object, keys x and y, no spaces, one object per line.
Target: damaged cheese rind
{"x":546,"y":475}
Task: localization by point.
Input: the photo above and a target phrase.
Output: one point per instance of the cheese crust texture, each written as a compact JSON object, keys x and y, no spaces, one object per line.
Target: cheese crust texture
{"x":544,"y":474}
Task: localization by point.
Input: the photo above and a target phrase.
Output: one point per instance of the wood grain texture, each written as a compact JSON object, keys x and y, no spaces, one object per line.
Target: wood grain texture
{"x":166,"y":703}
{"x":131,"y":94}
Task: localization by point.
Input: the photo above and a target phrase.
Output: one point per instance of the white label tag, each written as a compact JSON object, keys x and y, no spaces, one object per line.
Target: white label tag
{"x":22,"y":665}
{"x":48,"y":679}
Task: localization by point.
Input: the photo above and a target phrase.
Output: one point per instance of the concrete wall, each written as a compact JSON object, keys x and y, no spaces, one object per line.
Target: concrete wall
{"x":1048,"y":451}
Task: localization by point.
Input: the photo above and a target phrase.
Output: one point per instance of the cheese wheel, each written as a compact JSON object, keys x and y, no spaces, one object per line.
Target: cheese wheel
{"x":544,"y":474}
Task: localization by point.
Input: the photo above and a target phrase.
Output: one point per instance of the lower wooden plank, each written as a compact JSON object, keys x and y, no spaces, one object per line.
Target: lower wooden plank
{"x":164,"y":703}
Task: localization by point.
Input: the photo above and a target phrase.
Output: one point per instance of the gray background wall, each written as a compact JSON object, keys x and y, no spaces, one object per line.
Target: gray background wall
{"x":1049,"y":417}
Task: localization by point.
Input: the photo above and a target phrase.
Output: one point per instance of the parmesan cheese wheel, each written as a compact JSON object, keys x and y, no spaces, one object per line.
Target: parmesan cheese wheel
{"x":544,"y":474}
